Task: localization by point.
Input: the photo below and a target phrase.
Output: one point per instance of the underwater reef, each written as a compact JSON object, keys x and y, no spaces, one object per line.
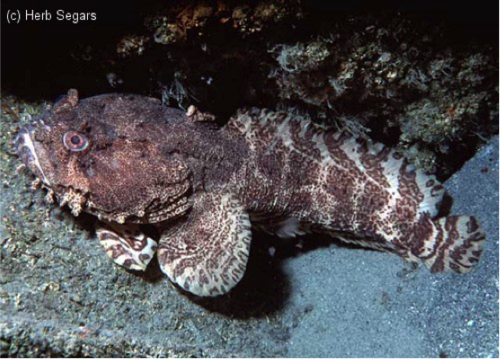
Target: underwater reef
{"x":425,"y":84}
{"x":423,"y":80}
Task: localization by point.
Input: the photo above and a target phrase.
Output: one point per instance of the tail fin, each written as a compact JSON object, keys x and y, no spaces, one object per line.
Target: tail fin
{"x":455,"y":244}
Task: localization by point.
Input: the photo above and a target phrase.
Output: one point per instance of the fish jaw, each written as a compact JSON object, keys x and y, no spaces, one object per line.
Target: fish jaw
{"x":27,"y":152}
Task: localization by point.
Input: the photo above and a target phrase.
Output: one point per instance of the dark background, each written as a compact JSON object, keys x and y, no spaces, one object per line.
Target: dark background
{"x":37,"y":57}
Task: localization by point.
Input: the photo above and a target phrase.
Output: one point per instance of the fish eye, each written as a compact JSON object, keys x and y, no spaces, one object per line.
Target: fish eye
{"x":75,"y":141}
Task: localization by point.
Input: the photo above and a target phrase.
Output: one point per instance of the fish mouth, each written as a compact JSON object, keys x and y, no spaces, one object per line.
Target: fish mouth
{"x":26,"y":150}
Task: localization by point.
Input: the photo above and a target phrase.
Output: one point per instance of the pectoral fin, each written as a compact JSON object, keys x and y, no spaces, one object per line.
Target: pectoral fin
{"x":206,"y":253}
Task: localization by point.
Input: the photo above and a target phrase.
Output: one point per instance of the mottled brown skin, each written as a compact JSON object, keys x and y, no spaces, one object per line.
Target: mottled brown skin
{"x":143,"y":159}
{"x":141,"y":162}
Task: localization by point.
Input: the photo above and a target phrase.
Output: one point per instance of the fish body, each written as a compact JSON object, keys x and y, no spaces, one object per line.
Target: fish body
{"x":129,"y":160}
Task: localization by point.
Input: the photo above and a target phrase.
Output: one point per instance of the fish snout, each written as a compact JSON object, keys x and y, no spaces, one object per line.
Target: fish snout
{"x":24,"y":145}
{"x":25,"y":149}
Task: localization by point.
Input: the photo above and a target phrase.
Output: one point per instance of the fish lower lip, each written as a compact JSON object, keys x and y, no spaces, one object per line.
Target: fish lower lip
{"x":25,"y":149}
{"x":21,"y":143}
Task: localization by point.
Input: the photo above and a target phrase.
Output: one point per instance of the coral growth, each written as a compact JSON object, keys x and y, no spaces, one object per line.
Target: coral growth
{"x":392,"y":73}
{"x":401,"y":79}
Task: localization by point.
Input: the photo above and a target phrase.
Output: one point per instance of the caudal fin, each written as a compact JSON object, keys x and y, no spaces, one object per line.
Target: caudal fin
{"x":455,"y":244}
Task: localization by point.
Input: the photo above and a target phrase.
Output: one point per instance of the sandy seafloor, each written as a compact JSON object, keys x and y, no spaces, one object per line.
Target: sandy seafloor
{"x":61,"y":296}
{"x":365,"y":304}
